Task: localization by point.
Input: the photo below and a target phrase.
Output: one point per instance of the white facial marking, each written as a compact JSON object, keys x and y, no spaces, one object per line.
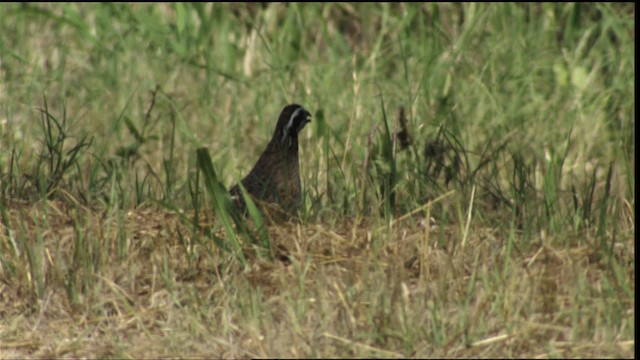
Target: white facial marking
{"x":289,"y":124}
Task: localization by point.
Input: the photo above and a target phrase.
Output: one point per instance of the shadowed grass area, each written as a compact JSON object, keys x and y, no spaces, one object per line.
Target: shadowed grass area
{"x":468,"y":180}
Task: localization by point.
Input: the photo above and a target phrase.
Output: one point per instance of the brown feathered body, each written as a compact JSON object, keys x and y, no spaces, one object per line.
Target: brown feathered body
{"x":275,"y":178}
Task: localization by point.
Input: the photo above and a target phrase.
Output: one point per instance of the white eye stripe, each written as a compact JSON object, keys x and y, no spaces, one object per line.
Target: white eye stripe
{"x":289,"y":124}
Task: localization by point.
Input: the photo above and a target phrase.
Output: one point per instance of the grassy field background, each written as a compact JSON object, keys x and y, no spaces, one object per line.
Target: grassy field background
{"x":498,"y":221}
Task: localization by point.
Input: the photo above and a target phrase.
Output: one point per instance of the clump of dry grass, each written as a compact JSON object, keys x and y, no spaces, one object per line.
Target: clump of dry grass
{"x":332,"y":291}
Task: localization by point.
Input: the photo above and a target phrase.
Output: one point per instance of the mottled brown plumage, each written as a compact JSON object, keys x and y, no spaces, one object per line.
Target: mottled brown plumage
{"x":275,"y":178}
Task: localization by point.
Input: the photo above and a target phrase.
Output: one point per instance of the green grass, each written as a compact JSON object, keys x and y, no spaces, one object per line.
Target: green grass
{"x":503,"y":228}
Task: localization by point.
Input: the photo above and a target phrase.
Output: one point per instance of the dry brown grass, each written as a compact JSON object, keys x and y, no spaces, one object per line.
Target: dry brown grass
{"x":340,"y":290}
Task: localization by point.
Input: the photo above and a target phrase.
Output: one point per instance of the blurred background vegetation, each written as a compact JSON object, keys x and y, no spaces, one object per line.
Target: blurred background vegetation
{"x":511,"y":82}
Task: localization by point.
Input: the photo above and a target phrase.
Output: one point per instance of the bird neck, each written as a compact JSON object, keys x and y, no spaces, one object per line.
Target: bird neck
{"x":277,"y":155}
{"x":289,"y":147}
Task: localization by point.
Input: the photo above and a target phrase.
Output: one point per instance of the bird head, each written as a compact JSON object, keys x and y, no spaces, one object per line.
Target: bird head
{"x":292,"y":119}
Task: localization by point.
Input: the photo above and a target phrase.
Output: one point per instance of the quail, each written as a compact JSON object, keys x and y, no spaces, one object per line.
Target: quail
{"x":275,"y":178}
